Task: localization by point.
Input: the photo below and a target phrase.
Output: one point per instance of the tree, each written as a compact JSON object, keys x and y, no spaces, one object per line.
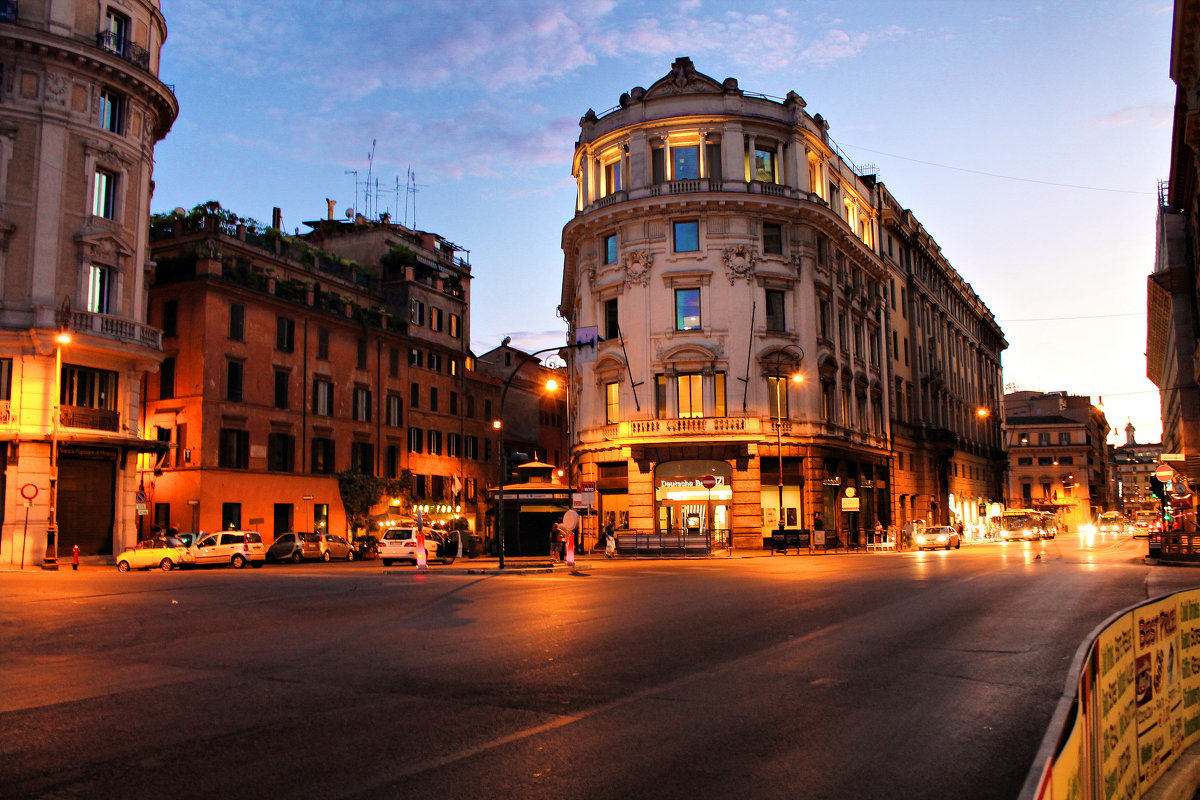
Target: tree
{"x":360,"y":492}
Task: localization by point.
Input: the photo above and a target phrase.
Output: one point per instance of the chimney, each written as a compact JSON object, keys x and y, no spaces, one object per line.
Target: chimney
{"x":277,"y":218}
{"x":332,"y":204}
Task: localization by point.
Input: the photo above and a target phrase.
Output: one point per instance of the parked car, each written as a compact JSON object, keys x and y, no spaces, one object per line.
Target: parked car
{"x":165,"y":553}
{"x":238,"y":548}
{"x":188,"y":539}
{"x":326,"y":546}
{"x":400,"y":544}
{"x":937,"y":536}
{"x":287,"y":547}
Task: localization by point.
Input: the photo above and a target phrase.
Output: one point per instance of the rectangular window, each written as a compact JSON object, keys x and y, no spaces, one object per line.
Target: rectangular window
{"x":764,"y":166}
{"x":453,"y":445}
{"x":719,"y":394}
{"x":99,"y":289}
{"x":170,"y":319}
{"x":1064,"y":437}
{"x":285,"y":334}
{"x":6,"y":378}
{"x":610,"y":249}
{"x":712,"y":160}
{"x":394,"y":362}
{"x":455,"y":326}
{"x":361,"y":348}
{"x":612,"y":328}
{"x":435,"y":318}
{"x":434,"y":362}
{"x":281,"y":452}
{"x":453,"y":410}
{"x":394,"y":410}
{"x":85,"y":387}
{"x":690,"y":389}
{"x":104,"y":194}
{"x":612,"y":177}
{"x":775,"y":310}
{"x":658,"y":170}
{"x":112,"y":111}
{"x":391,"y":461}
{"x":322,"y":456}
{"x":687,"y":236}
{"x":416,"y":312}
{"x":823,"y":319}
{"x":234,"y":379}
{"x":1043,"y":439}
{"x":435,"y":443}
{"x":433,"y":398}
{"x":687,"y":309}
{"x":362,"y":404}
{"x":685,"y":163}
{"x":166,"y":378}
{"x":661,"y":409}
{"x":281,"y":388}
{"x":612,"y":402}
{"x":231,"y":516}
{"x":773,"y":238}
{"x":237,"y":322}
{"x":322,"y":397}
{"x":115,"y":36}
{"x":827,"y":401}
{"x":416,"y":358}
{"x":471,"y":447}
{"x":362,"y":457}
{"x":234,"y":450}
{"x":777,"y":396}
{"x":323,"y":344}
{"x":416,"y":440}
{"x":414,"y":395}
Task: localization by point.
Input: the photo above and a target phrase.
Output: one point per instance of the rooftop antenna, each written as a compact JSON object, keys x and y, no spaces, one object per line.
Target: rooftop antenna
{"x":353,"y":172}
{"x":411,"y":189}
{"x":367,"y":188}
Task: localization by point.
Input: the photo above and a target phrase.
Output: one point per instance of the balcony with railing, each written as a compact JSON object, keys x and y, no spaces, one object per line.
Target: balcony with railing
{"x":728,"y":428}
{"x":119,"y":329}
{"x":6,"y":415}
{"x":97,"y":419}
{"x":120,"y":45}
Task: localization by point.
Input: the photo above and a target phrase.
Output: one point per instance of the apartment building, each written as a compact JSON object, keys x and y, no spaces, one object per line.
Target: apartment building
{"x":290,"y":359}
{"x":1058,"y":455}
{"x":81,"y":109}
{"x":727,"y":258}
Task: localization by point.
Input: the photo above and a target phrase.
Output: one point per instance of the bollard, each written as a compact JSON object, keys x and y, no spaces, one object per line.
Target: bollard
{"x":75,"y":558}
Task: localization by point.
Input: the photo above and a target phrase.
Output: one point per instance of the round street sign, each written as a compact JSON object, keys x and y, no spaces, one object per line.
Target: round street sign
{"x":708,"y":481}
{"x":1164,"y":473}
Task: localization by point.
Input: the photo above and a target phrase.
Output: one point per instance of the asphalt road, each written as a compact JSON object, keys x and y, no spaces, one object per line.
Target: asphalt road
{"x":906,"y":675}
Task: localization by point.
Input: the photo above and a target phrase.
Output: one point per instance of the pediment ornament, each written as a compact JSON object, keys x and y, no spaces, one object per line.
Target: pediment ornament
{"x":637,"y":267}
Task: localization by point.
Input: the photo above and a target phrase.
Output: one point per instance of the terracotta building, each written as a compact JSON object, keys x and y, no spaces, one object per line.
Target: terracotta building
{"x":727,"y":257}
{"x":1058,"y":456}
{"x":81,"y":109}
{"x":290,"y":359}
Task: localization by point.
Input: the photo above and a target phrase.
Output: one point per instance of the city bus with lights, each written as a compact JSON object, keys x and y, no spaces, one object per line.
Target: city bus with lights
{"x":1147,"y":522}
{"x":1025,"y":524}
{"x":1112,"y":522}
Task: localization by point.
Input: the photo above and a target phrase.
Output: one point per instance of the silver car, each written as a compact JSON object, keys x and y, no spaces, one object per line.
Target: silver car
{"x":287,"y":547}
{"x":237,"y":548}
{"x":326,"y":546}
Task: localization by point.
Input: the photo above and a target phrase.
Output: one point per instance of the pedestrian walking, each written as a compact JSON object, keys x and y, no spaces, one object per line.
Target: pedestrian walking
{"x":610,"y":541}
{"x":878,"y":532}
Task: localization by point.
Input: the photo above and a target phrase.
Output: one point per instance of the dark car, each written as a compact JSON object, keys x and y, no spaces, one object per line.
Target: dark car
{"x":287,"y":547}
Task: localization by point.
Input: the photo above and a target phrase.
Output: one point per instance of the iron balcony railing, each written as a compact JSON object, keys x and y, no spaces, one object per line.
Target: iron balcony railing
{"x":121,"y":46}
{"x":97,"y":419}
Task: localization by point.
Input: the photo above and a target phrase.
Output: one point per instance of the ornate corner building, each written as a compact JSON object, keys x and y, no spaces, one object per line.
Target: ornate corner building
{"x":749,"y":374}
{"x":81,"y":108}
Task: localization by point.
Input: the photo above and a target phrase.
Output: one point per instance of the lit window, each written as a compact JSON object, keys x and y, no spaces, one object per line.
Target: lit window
{"x":764,"y":166}
{"x":685,"y":163}
{"x":687,"y":309}
{"x":612,"y":402}
{"x":690,"y":389}
{"x":612,"y":177}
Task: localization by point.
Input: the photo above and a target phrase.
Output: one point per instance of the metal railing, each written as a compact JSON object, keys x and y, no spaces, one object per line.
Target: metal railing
{"x":121,"y":46}
{"x":671,"y":543}
{"x":97,"y":419}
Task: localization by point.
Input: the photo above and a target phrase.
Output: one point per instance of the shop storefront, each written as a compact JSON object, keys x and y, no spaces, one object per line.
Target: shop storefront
{"x":693,"y":498}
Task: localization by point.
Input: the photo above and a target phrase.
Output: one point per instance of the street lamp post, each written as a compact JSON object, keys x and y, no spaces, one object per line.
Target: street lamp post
{"x":797,"y":357}
{"x":498,"y":424}
{"x":50,"y":560}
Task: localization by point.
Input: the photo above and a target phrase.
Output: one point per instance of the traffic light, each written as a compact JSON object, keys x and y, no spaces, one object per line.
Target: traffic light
{"x":1156,"y":487}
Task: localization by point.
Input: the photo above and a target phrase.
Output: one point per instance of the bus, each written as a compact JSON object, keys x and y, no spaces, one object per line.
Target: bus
{"x":1112,"y":522}
{"x":1026,"y":524}
{"x":1147,"y":522}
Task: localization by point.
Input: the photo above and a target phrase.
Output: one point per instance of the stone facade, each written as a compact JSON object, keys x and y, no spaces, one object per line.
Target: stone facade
{"x":81,"y":109}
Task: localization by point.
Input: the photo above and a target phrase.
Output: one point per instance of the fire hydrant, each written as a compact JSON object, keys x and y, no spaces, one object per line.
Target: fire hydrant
{"x":75,"y":557}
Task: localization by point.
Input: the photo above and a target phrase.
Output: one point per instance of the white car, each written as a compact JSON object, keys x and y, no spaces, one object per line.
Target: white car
{"x":400,"y":544}
{"x":238,"y":548}
{"x":163,"y":553}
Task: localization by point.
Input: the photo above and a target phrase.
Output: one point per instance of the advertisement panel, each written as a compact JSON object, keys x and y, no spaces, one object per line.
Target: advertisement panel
{"x":1115,"y":685}
{"x":1158,"y":688}
{"x":1189,"y":637}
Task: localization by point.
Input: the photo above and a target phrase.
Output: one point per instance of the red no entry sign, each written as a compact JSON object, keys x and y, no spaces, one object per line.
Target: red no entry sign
{"x":1164,"y":473}
{"x":708,"y":481}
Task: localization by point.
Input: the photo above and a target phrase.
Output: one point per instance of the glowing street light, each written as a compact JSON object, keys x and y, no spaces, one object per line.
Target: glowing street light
{"x":50,"y":560}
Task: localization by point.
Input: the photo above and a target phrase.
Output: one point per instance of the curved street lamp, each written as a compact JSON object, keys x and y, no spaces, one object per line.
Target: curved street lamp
{"x":786,"y":359}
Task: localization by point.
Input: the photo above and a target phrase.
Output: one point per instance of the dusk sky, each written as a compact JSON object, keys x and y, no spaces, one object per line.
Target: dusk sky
{"x":1028,"y":138}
